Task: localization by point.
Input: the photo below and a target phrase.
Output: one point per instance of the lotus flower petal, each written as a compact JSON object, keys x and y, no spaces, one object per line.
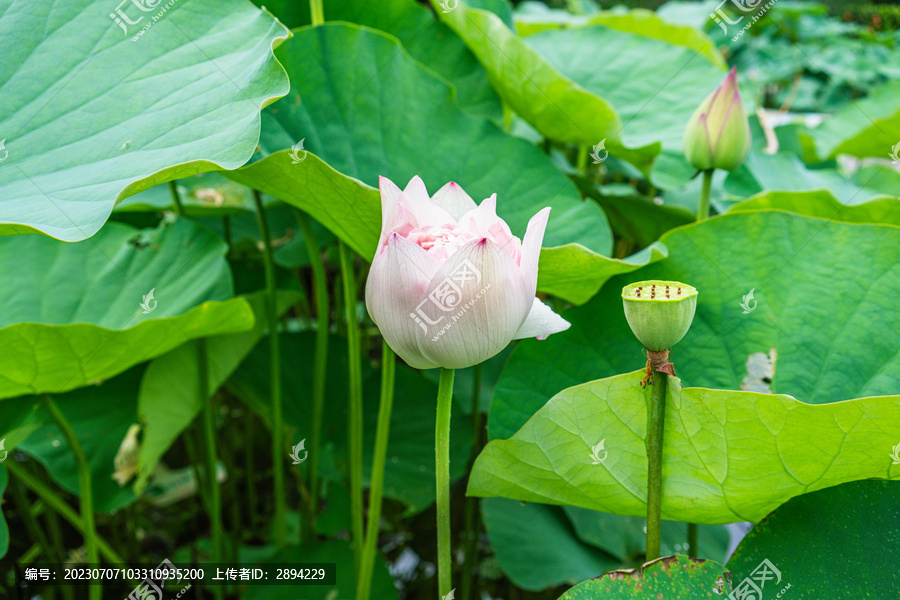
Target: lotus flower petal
{"x":541,"y":322}
{"x":477,"y":301}
{"x":454,"y":200}
{"x":398,"y":280}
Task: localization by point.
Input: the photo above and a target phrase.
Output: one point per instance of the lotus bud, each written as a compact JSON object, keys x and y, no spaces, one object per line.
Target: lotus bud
{"x":450,"y":285}
{"x":718,"y":133}
{"x":659,"y":312}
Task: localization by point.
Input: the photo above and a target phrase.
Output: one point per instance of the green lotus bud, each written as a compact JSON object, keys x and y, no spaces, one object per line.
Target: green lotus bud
{"x":659,"y":312}
{"x":718,"y":133}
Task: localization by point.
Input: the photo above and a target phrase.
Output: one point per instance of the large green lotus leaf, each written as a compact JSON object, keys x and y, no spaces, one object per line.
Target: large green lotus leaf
{"x":881,"y":177}
{"x":94,"y":112}
{"x":346,"y":206}
{"x":409,"y":470}
{"x":427,"y":40}
{"x":695,"y":14}
{"x":633,"y":215}
{"x":650,"y":24}
{"x":4,"y":530}
{"x":75,"y":316}
{"x":575,"y":543}
{"x":537,"y":547}
{"x":169,"y":397}
{"x":823,"y":298}
{"x":721,"y":444}
{"x":18,"y":421}
{"x":558,"y":107}
{"x":532,"y":16}
{"x":864,"y":128}
{"x":100,"y":417}
{"x":575,"y":274}
{"x":822,"y":203}
{"x":342,"y":71}
{"x":786,"y":172}
{"x":639,"y":20}
{"x":654,"y":107}
{"x":835,"y":543}
{"x":670,"y":577}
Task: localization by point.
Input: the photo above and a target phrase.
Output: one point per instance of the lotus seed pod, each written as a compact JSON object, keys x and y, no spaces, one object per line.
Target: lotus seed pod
{"x":659,"y":312}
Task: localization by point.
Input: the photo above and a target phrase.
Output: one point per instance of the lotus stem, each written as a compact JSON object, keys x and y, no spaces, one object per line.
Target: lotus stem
{"x":472,"y":525}
{"x":692,"y":540}
{"x":581,"y":161}
{"x":703,"y":207}
{"x":52,"y":500}
{"x":379,"y":458}
{"x":280,"y":517}
{"x":320,"y":369}
{"x":85,"y":491}
{"x":316,"y":12}
{"x":355,"y":416}
{"x":209,"y":439}
{"x":656,"y":414}
{"x":177,"y":206}
{"x":24,"y":509}
{"x":442,"y":474}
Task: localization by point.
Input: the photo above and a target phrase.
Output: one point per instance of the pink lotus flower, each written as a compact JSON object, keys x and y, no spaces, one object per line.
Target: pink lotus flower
{"x":450,"y":286}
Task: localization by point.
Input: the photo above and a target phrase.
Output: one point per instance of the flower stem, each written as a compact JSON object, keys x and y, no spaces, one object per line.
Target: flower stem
{"x":320,"y":287}
{"x":442,"y":474}
{"x":209,"y":439}
{"x":52,"y":500}
{"x":692,"y":540}
{"x":316,"y":13}
{"x":703,"y":208}
{"x":177,"y":206}
{"x":85,"y":491}
{"x":24,"y":510}
{"x":355,"y":416}
{"x":379,"y":458}
{"x":472,"y":526}
{"x":656,"y":414}
{"x":581,"y":161}
{"x":279,"y":525}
